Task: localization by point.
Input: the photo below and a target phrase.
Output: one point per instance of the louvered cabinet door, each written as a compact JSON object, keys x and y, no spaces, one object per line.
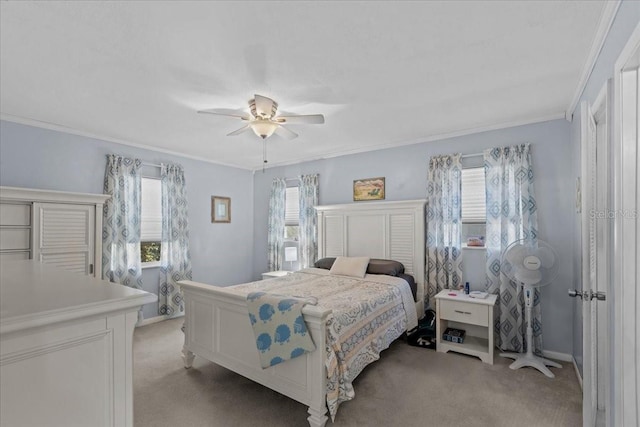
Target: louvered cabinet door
{"x":64,"y":236}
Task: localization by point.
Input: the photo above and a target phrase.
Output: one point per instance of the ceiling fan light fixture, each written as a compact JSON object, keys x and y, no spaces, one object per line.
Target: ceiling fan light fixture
{"x":263,"y":128}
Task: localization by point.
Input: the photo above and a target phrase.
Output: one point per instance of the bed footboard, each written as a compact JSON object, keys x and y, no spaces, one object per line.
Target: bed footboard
{"x":217,"y":328}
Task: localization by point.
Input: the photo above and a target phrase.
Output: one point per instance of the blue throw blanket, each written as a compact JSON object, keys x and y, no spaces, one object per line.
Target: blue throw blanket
{"x":279,"y":327}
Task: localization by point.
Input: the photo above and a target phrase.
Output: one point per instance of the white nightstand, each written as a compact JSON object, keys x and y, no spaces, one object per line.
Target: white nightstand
{"x":473,"y":315}
{"x":274,"y":274}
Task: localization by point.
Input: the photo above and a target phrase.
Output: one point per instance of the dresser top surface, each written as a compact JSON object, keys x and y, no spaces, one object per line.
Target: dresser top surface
{"x":32,"y":290}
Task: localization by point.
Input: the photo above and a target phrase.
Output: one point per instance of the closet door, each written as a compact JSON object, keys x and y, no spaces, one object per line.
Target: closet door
{"x":64,"y":235}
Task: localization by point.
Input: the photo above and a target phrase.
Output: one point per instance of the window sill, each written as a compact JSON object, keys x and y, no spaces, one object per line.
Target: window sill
{"x":475,"y":248}
{"x":154,"y":264}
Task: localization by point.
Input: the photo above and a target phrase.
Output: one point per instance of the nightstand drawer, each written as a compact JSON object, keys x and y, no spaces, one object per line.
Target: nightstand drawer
{"x":475,"y":314}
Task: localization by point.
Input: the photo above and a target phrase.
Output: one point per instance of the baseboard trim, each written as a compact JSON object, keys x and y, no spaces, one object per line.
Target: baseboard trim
{"x":564,"y":357}
{"x":575,"y":367}
{"x":156,"y":319}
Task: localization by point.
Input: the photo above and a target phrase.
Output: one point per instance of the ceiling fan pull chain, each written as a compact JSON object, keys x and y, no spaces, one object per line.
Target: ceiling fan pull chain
{"x":264,"y":154}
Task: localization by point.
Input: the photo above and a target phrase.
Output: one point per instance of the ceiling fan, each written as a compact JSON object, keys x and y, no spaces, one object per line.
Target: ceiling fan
{"x":263,"y":119}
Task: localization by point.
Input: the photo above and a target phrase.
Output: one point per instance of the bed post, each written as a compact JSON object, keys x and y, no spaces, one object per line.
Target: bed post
{"x":316,"y":319}
{"x":317,"y":418}
{"x":187,"y":355}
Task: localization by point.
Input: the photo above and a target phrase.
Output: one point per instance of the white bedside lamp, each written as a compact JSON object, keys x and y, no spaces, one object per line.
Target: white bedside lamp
{"x":291,"y":255}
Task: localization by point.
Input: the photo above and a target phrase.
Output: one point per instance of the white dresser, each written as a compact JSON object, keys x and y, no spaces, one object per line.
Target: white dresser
{"x":55,"y":227}
{"x":65,"y":347}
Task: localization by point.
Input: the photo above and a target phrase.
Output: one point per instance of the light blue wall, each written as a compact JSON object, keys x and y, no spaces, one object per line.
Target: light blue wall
{"x":405,"y":170}
{"x":221,"y":253}
{"x":626,"y":20}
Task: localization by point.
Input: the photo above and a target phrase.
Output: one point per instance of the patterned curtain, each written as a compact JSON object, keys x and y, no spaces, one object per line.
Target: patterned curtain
{"x":121,"y":223}
{"x":275,"y":231}
{"x":511,"y":215}
{"x":175,"y":260}
{"x":444,"y":223}
{"x":308,"y":220}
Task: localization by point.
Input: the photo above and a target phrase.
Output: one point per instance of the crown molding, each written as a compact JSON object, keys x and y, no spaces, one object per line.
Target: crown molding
{"x":78,"y":132}
{"x":432,"y":138}
{"x":609,"y":11}
{"x":338,"y":153}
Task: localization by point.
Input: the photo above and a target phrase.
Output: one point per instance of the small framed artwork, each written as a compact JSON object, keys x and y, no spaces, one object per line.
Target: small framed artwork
{"x":368,"y":189}
{"x":220,"y":209}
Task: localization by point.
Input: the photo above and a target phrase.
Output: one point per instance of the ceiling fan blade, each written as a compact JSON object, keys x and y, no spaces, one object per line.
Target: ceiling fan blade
{"x":265,"y":107}
{"x":285,"y":133}
{"x":225,"y":112}
{"x":313,"y":119}
{"x":239,"y":131}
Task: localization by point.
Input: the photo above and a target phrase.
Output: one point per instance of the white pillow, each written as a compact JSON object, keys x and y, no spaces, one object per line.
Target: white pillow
{"x":350,"y":266}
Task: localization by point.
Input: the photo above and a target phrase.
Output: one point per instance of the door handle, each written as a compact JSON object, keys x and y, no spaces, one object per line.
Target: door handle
{"x":575,"y":293}
{"x":587,"y":296}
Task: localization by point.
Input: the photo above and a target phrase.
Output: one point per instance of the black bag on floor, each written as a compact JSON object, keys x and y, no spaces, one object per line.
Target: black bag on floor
{"x":425,"y":333}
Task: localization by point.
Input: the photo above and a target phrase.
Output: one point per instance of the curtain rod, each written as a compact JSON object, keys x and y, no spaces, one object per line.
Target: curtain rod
{"x":464,"y":156}
{"x":153,"y":165}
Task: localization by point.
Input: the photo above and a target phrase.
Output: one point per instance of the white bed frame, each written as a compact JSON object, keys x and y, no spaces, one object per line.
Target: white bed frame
{"x":216,"y":326}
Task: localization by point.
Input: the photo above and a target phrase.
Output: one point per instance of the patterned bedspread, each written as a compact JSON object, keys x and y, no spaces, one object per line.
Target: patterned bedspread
{"x":367,"y":316}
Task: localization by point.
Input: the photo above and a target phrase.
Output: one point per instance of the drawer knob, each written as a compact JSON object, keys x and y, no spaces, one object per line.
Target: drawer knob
{"x":462,"y":312}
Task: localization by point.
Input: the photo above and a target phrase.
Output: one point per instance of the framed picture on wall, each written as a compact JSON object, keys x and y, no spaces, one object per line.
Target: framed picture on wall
{"x":368,"y":189}
{"x":220,"y":209}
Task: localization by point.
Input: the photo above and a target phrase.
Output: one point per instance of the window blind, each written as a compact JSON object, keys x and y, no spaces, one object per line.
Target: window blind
{"x":151,"y":218}
{"x":474,"y":207}
{"x":292,"y":206}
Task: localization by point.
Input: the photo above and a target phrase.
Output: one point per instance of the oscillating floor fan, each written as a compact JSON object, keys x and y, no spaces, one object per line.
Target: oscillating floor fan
{"x":530,"y":264}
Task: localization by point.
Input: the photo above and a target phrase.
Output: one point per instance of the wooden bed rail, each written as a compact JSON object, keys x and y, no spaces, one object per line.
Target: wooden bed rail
{"x":217,"y":328}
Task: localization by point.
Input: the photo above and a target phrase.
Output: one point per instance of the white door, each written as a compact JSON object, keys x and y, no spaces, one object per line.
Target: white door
{"x":596,"y":228}
{"x":625,"y":389}
{"x":64,"y":234}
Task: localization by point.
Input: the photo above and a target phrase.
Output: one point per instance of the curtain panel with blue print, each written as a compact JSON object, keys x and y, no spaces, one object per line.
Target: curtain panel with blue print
{"x":121,"y":222}
{"x":511,"y":216}
{"x":309,"y":192}
{"x":175,"y":258}
{"x":276,"y":224}
{"x":444,"y":223}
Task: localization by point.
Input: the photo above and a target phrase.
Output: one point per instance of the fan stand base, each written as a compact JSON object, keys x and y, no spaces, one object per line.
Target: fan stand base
{"x":533,"y":361}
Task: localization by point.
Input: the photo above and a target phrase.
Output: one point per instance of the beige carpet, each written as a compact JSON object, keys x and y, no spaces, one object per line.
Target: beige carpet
{"x":408,"y":386}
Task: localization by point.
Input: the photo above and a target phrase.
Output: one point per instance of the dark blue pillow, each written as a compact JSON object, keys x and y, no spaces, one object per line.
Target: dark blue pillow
{"x":325,"y":263}
{"x":385,"y":266}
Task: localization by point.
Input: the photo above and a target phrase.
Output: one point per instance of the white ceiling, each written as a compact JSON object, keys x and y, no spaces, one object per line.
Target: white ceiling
{"x":382,"y":73}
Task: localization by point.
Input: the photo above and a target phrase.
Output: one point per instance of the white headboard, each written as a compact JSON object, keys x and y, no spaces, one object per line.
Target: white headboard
{"x":388,"y":230}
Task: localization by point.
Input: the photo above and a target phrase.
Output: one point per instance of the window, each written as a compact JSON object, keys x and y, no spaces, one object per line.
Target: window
{"x":292,"y":214}
{"x":474,"y":210}
{"x":291,"y":228}
{"x":151,"y":222}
